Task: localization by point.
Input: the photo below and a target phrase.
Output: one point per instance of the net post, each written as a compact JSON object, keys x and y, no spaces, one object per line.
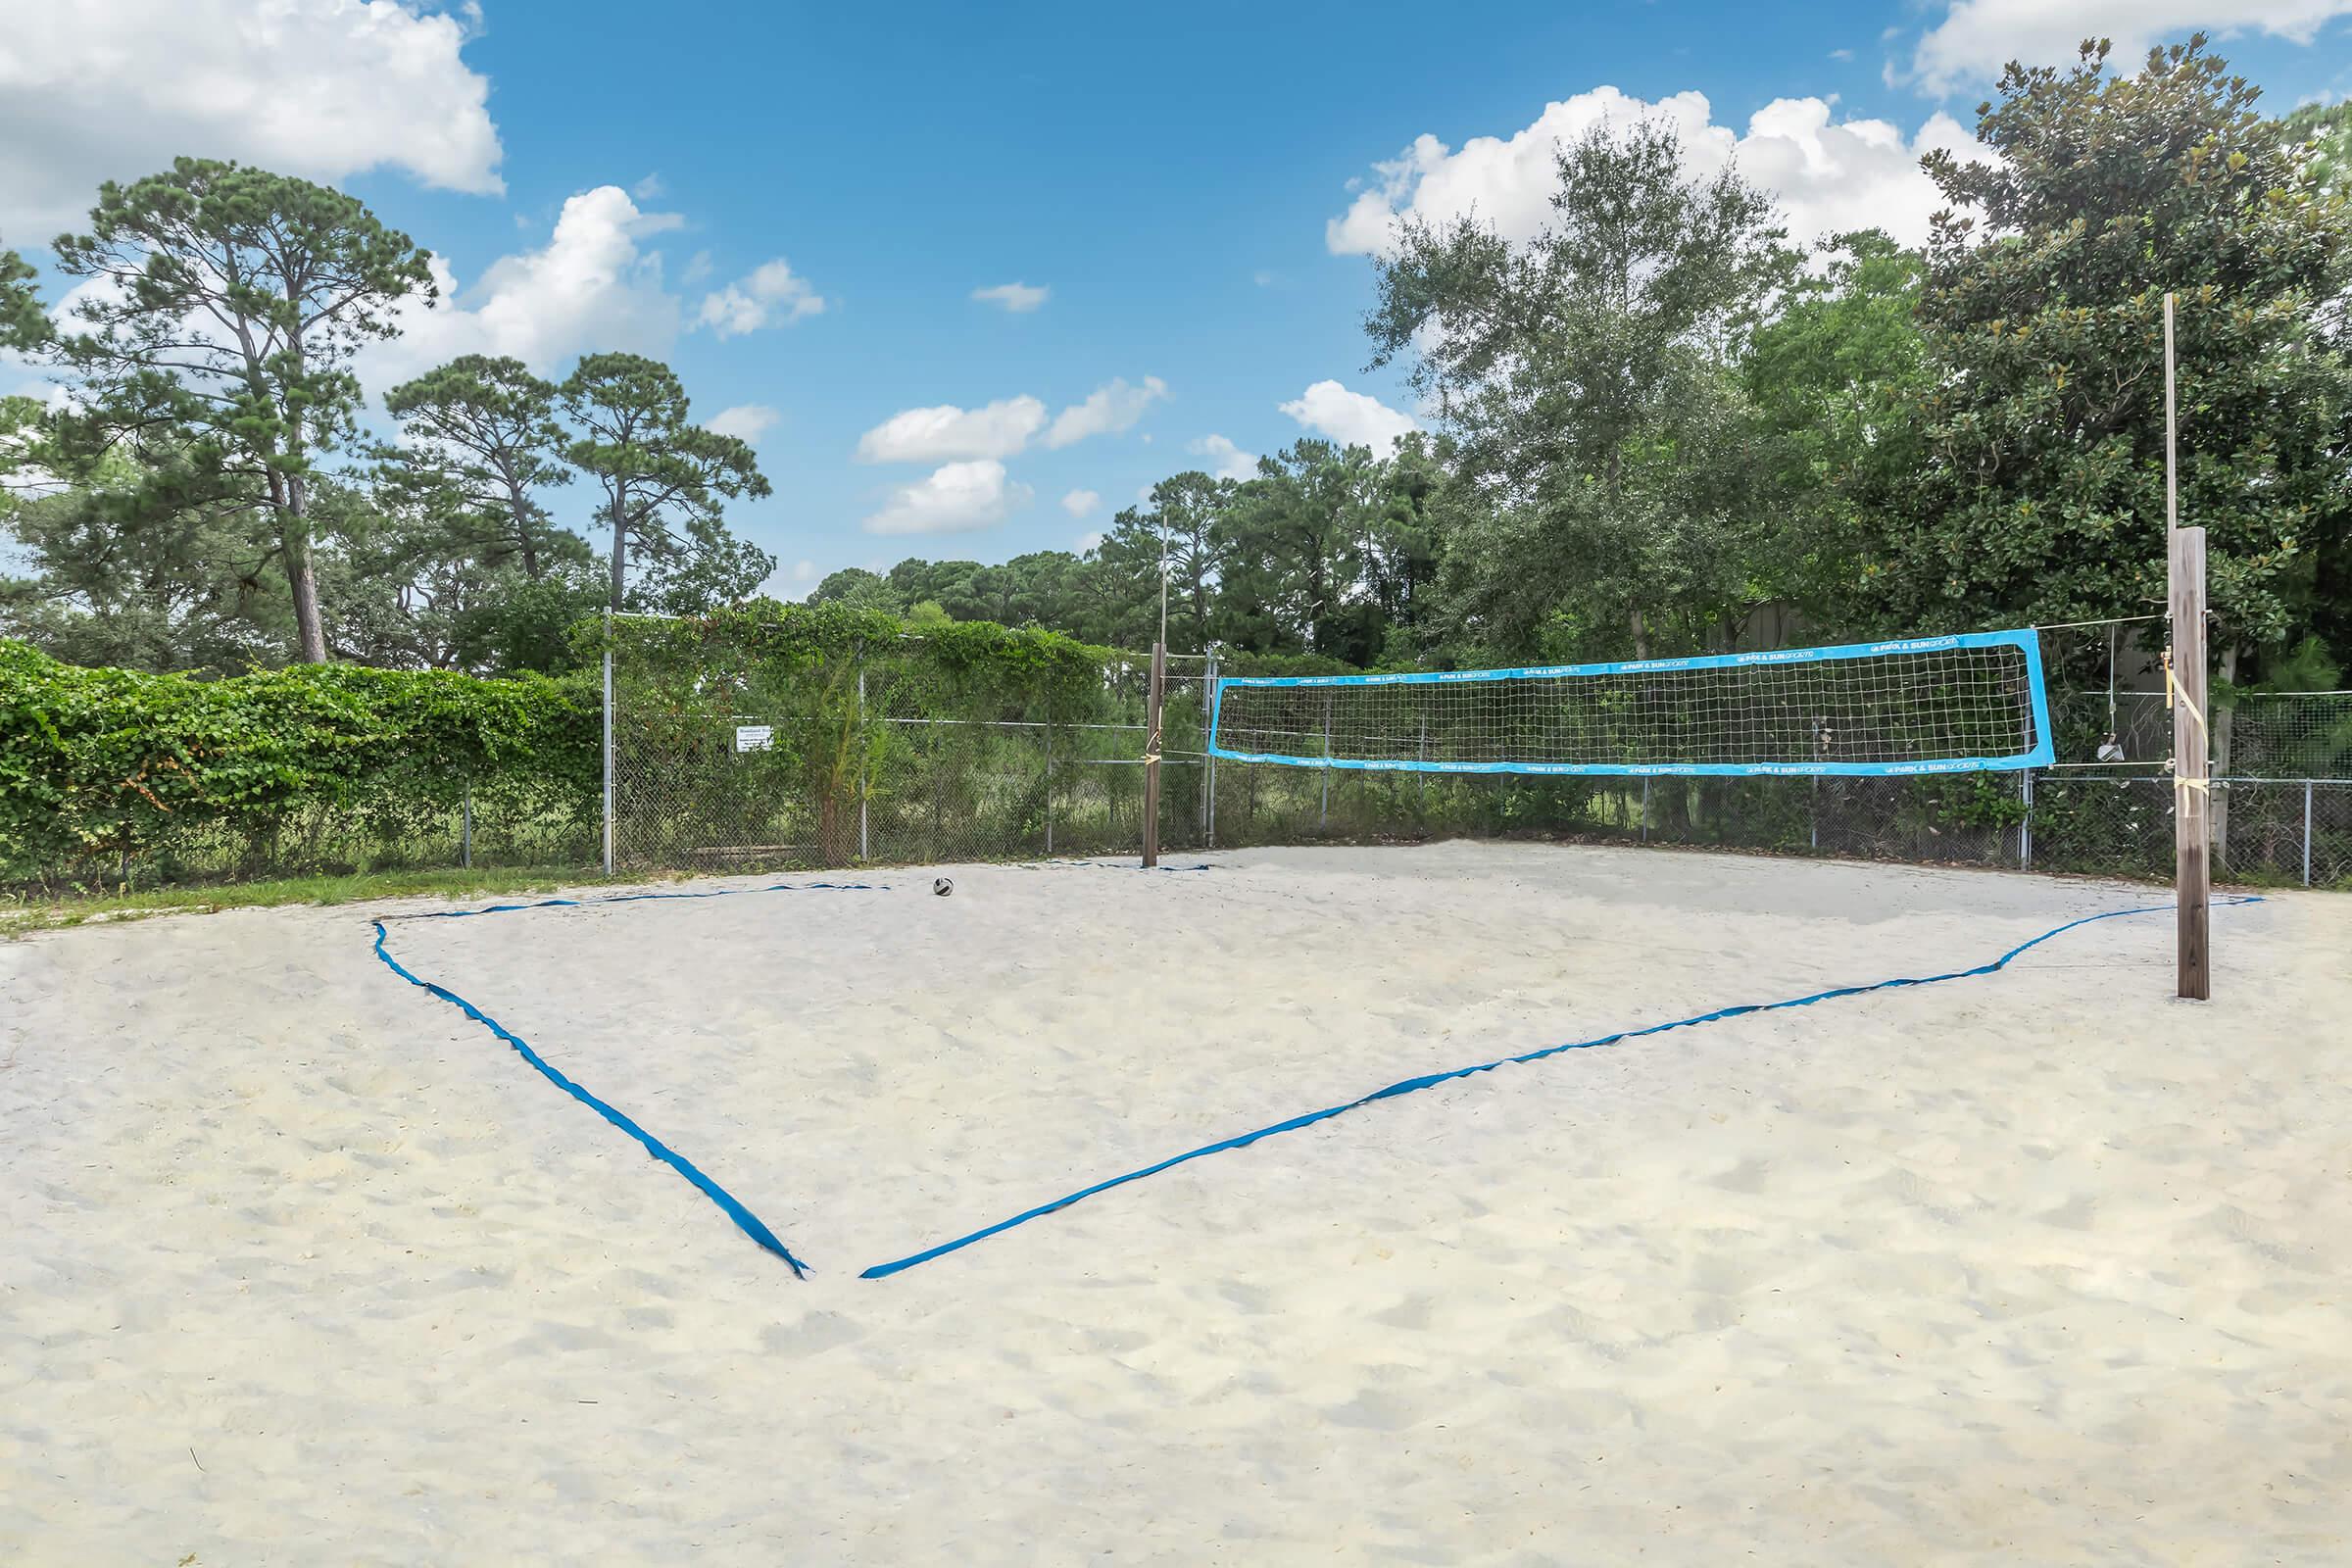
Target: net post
{"x":608,"y":741}
{"x":1159,"y":680}
{"x":2184,"y":562}
{"x":2307,"y":832}
{"x":2025,"y":823}
{"x":2192,"y":786}
{"x":1209,"y":709}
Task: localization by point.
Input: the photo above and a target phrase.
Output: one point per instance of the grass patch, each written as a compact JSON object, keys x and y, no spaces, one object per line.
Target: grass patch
{"x":19,"y":915}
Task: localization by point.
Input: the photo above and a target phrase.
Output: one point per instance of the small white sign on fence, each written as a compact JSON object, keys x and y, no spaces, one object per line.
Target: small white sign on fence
{"x":754,"y":737}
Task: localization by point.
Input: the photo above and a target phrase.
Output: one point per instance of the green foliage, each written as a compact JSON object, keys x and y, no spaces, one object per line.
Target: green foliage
{"x":664,"y":478}
{"x":1829,"y":379}
{"x":100,"y":767}
{"x":229,"y":304}
{"x":1591,"y":377}
{"x":2038,"y":491}
{"x":480,"y":443}
{"x":23,"y":324}
{"x":151,"y":556}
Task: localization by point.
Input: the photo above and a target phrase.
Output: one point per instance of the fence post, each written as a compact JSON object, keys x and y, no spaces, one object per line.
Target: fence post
{"x":1323,"y":816}
{"x":2307,"y":832}
{"x":465,"y":831}
{"x":1151,"y":746}
{"x":1049,"y":783}
{"x":865,"y":771}
{"x":2025,"y":823}
{"x":1208,"y":711}
{"x":1421,"y":755}
{"x":607,"y":742}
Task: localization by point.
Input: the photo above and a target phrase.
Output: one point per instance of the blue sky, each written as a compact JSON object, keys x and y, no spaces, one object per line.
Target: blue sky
{"x":795,"y":204}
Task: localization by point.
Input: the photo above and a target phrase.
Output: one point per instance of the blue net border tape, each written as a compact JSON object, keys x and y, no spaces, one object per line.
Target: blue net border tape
{"x":2042,"y":754}
{"x":1432,"y":1080}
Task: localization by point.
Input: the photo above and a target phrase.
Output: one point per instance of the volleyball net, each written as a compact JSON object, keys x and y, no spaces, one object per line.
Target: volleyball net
{"x":1925,"y":705}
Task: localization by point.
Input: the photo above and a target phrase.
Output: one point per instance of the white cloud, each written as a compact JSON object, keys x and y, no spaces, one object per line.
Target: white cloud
{"x":649,"y":188}
{"x":804,"y":571}
{"x":1086,"y":542}
{"x":1351,"y":418}
{"x":1226,"y":461}
{"x":771,"y":296}
{"x":1830,"y":176}
{"x":1005,"y":427}
{"x":745,"y":421}
{"x":1110,"y":407}
{"x":929,"y":435}
{"x":591,"y":287}
{"x":114,"y":90}
{"x":1081,"y":504}
{"x":1020,"y":299}
{"x":1977,"y":37}
{"x":955,"y":498}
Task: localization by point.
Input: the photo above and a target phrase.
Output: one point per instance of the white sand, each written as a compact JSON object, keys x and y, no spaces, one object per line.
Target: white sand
{"x":301,"y":1266}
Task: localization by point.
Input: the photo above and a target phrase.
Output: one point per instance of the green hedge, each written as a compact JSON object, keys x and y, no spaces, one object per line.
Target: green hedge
{"x":102,"y":770}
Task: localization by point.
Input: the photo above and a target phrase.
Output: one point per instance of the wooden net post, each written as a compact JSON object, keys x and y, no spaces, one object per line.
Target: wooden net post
{"x":2192,"y":789}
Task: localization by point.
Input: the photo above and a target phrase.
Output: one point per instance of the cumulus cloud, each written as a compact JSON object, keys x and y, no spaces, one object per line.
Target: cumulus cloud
{"x":1082,"y":503}
{"x":114,"y":90}
{"x":1351,"y":418}
{"x":1020,"y":299}
{"x":1831,"y":176}
{"x":1225,"y":460}
{"x":928,"y":435}
{"x":592,"y":287}
{"x":1110,"y":407}
{"x":1977,"y":37}
{"x":745,"y":421}
{"x":772,"y":295}
{"x":954,"y":498}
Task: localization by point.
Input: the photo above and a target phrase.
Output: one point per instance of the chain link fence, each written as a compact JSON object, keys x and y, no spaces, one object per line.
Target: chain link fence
{"x":880,"y":756}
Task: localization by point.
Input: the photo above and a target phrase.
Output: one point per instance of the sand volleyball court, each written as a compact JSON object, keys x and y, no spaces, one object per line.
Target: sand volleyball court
{"x":304,"y":1264}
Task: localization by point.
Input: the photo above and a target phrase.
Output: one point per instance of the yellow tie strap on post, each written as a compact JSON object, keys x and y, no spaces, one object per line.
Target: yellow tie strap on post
{"x":2177,"y":700}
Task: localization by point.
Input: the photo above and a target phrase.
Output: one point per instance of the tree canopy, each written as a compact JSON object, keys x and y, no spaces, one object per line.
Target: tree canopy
{"x":1655,"y":427}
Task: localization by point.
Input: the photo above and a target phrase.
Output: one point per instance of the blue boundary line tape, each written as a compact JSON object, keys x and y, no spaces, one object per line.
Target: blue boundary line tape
{"x":1431,"y":1080}
{"x":748,"y":1222}
{"x":2027,"y":640}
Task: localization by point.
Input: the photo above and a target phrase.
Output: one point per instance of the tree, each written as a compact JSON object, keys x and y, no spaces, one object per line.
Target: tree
{"x":1590,"y":377}
{"x":2038,"y":490}
{"x":859,"y":589}
{"x":480,"y":442}
{"x":148,"y":555}
{"x":1831,"y":378}
{"x":2326,"y":130}
{"x":227,"y":303}
{"x":23,"y":324}
{"x":663,"y":480}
